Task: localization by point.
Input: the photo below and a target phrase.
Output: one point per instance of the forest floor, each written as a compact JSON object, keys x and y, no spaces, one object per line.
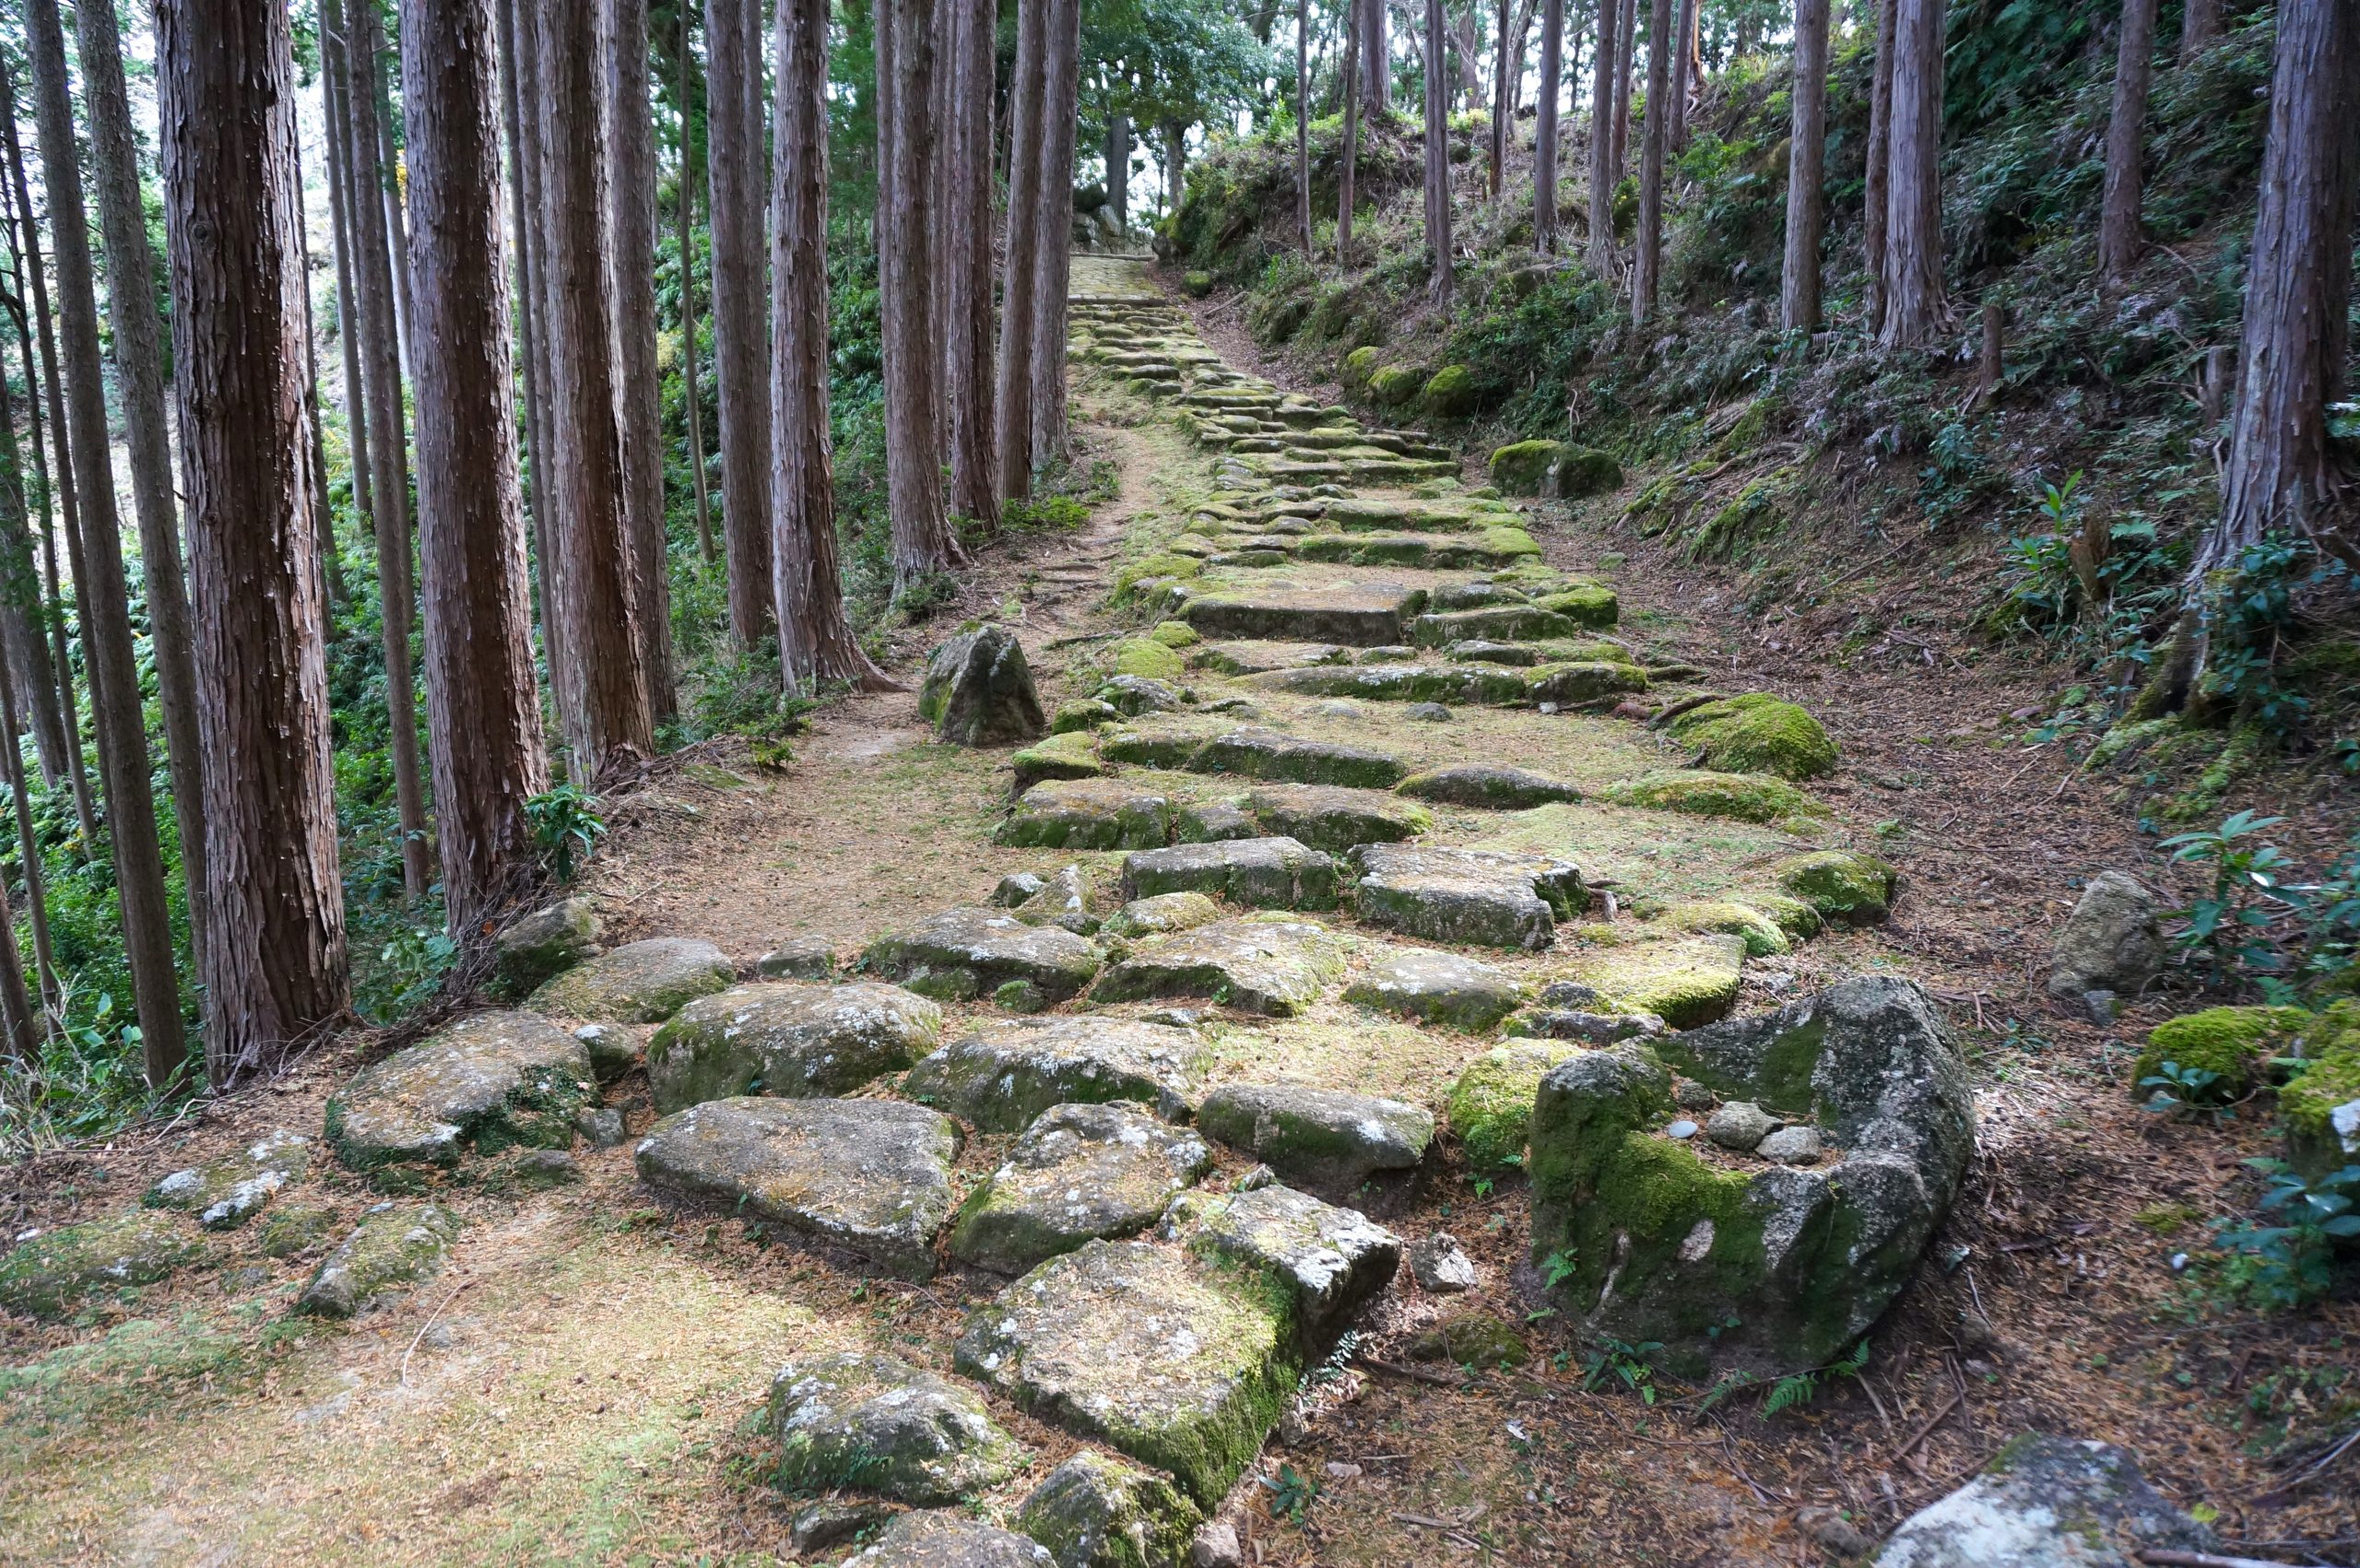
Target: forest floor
{"x":580,"y":1384}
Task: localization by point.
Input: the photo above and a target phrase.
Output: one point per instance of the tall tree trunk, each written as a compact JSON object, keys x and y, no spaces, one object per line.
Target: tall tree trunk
{"x":1876,"y":197}
{"x":226,"y":75}
{"x":1805,"y":174}
{"x":613,"y":727}
{"x":483,"y":713}
{"x":1376,"y":61}
{"x":1355,"y":14}
{"x":1052,"y":247}
{"x":21,"y":603}
{"x":140,"y":364}
{"x":2118,"y":241}
{"x":21,"y":578}
{"x":632,"y":155}
{"x":1503,"y":104}
{"x":315,"y":417}
{"x":1646,"y":272}
{"x":1914,"y":306}
{"x":692,"y":384}
{"x":15,"y":1003}
{"x":1684,"y":78}
{"x":1303,"y":125}
{"x":1604,"y":173}
{"x":25,"y":251}
{"x":816,"y":641}
{"x":335,"y":74}
{"x":106,"y":630}
{"x":53,"y":993}
{"x":1175,"y":164}
{"x":740,"y":339}
{"x":923,"y":542}
{"x":2297,"y":287}
{"x":1626,"y":53}
{"x":387,"y":164}
{"x":1545,"y":134}
{"x":2199,"y":25}
{"x":1438,"y":246}
{"x":1118,"y":160}
{"x":388,"y":461}
{"x":967,"y":266}
{"x":1014,"y":402}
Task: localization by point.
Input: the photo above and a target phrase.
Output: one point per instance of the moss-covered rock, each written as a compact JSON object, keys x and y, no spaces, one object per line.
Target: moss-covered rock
{"x":1070,"y":755}
{"x":1078,"y":1174}
{"x":395,"y":1246}
{"x":1762,"y":935}
{"x":49,"y":1274}
{"x":224,"y":1194}
{"x":880,"y":1424}
{"x":1451,"y":393}
{"x":641,"y":983}
{"x":1746,"y":797}
{"x":787,"y":1039}
{"x":1328,"y":816}
{"x":1685,"y":982}
{"x":489,"y":1082}
{"x":1843,"y":887}
{"x":1175,"y":634}
{"x":1448,"y":990}
{"x":1582,"y":471}
{"x":2230,"y":1041}
{"x":1519,"y":467}
{"x":1758,"y":733}
{"x":1395,"y":386}
{"x":1483,"y":784}
{"x":1475,"y":1339}
{"x":978,"y":691}
{"x":1196,"y":284}
{"x":2321,"y":1107}
{"x":1098,"y":1512}
{"x":1081,"y":713}
{"x":1325,"y":1139}
{"x":1590,"y":606}
{"x":1150,"y":657}
{"x":1008,"y":1071}
{"x":961,"y":953}
{"x":545,"y":943}
{"x":1491,"y":1105}
{"x":1355,"y":369}
{"x":1088,"y":814}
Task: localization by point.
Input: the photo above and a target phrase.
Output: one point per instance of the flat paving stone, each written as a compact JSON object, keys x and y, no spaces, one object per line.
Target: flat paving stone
{"x":961,"y":953}
{"x":1496,"y":623}
{"x":49,"y":1274}
{"x":1088,"y":814}
{"x":1325,"y":1139}
{"x":224,"y":1194}
{"x":1685,"y":982}
{"x":1262,"y":753}
{"x":872,"y":1176}
{"x":927,"y":1540}
{"x":1488,"y":898}
{"x":1176,"y":1362}
{"x":487,"y":1082}
{"x":1258,"y":965}
{"x":1259,"y":873}
{"x":639,"y":982}
{"x":875,"y":1423}
{"x":1333,"y":1261}
{"x":1488,"y":786}
{"x":394,"y":1247}
{"x":1332,"y":817}
{"x":1483,"y":685}
{"x":1008,"y":1071}
{"x":1250,"y":657}
{"x":1435,"y":987}
{"x":1358,"y":616}
{"x":1079,"y":1173}
{"x":796,"y":1042}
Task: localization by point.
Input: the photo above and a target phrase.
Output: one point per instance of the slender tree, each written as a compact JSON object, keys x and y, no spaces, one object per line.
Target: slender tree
{"x":1913,"y":259}
{"x":335,"y":73}
{"x":53,"y":993}
{"x":612,"y":729}
{"x":1438,"y":244}
{"x":1604,"y":172}
{"x":2199,"y":25}
{"x":106,"y":628}
{"x":1350,"y":164}
{"x":1014,"y":399}
{"x":1118,"y":165}
{"x":386,"y":163}
{"x":2118,"y":239}
{"x":692,"y":384}
{"x":1053,"y":248}
{"x":631,"y":148}
{"x":1806,"y":174}
{"x":967,"y":263}
{"x":1302,"y":124}
{"x":226,"y":81}
{"x":1626,"y":53}
{"x":816,"y":641}
{"x":138,"y":334}
{"x":1684,"y":78}
{"x":1876,"y":197}
{"x":1503,"y":105}
{"x":1647,"y":271}
{"x":1545,"y":135}
{"x":23,"y":608}
{"x":2298,"y":280}
{"x":740,"y":339}
{"x":379,"y":290}
{"x":12,"y":517}
{"x":1376,"y":60}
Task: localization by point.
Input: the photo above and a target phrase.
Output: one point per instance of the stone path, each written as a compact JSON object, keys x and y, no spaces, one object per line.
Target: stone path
{"x":1350,"y":788}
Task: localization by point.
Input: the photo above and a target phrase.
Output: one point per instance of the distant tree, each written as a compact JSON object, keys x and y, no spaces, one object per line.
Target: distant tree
{"x":740,"y":334}
{"x":2118,"y":239}
{"x":968,"y":66}
{"x":691,"y":384}
{"x":1876,"y":195}
{"x":1013,"y":405}
{"x":1605,"y":172}
{"x":1545,"y":137}
{"x":1438,"y":246}
{"x":631,"y":148}
{"x":1349,"y":164}
{"x":1914,"y":305}
{"x":1799,"y":308}
{"x":1377,"y":59}
{"x":1647,"y":268}
{"x":1303,"y":125}
{"x":2199,"y":25}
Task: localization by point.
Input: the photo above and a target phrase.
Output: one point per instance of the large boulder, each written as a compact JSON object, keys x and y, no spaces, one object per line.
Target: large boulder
{"x":978,"y":691}
{"x":1330,"y":1141}
{"x":872,"y":1176}
{"x":538,"y":947}
{"x":797,"y":1042}
{"x":928,"y":1540}
{"x":638,"y":983}
{"x":1078,"y":1174}
{"x":2047,"y":1503}
{"x":489,"y":1082}
{"x":1734,"y":1262}
{"x":2112,"y":941}
{"x":1010,"y":1070}
{"x":394,"y":1247}
{"x":48,"y":1273}
{"x":962,"y":953}
{"x":878,"y":1423}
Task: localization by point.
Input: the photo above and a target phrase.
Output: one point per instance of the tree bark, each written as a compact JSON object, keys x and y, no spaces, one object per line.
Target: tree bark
{"x":139,"y":365}
{"x":816,"y":641}
{"x":2199,"y":25}
{"x":335,"y":74}
{"x":315,"y":417}
{"x":52,"y":994}
{"x":22,"y":577}
{"x":1018,"y":281}
{"x":386,"y":163}
{"x":1876,"y":193}
{"x":1376,"y":61}
{"x":1175,"y":164}
{"x":388,"y":461}
{"x":1646,"y":272}
{"x":483,"y":713}
{"x":1503,"y":104}
{"x":1052,"y":247}
{"x":632,"y":156}
{"x":1799,"y":309}
{"x":613,"y":731}
{"x":1355,"y":14}
{"x":226,"y":76}
{"x":106,"y":630}
{"x":2118,"y":239}
{"x":1914,"y":306}
{"x":1683,"y":77}
{"x":1438,"y":247}
{"x":2297,"y":290}
{"x":21,"y":603}
{"x":1626,"y":53}
{"x":967,"y":264}
{"x":1604,"y":174}
{"x":692,"y":384}
{"x":740,"y":339}
{"x":24,"y":252}
{"x":1118,"y":161}
{"x":1303,"y":125}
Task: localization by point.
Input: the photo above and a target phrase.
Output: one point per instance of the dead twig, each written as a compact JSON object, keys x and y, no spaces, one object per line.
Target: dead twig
{"x":1952,"y":1403}
{"x":1416,"y":1374}
{"x":2163,"y":1557}
{"x":430,"y":1320}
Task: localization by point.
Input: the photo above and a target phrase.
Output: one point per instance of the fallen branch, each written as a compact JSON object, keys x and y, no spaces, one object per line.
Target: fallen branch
{"x":1416,"y":1374}
{"x":429,"y":1322}
{"x":1952,"y":1403}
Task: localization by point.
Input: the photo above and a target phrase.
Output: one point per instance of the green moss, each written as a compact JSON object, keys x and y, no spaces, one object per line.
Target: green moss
{"x":48,"y":1275}
{"x":1590,"y":606}
{"x":2315,"y":1145}
{"x":1797,"y":919}
{"x":1761,"y":934}
{"x":1585,"y":471}
{"x":1395,"y":385}
{"x":1451,"y":394}
{"x":1082,"y":713}
{"x":1685,"y":982}
{"x":1146,"y":658}
{"x":1357,"y":367}
{"x":1198,"y":284}
{"x":2227,"y":1041}
{"x":1518,"y":467}
{"x":1747,"y":798}
{"x":1162,"y":565}
{"x":1491,"y":1105}
{"x":1854,"y":889}
{"x":1504,"y":544}
{"x":1071,"y":755}
{"x":1176,"y":634}
{"x":1758,"y":733}
{"x":1472,"y":1340}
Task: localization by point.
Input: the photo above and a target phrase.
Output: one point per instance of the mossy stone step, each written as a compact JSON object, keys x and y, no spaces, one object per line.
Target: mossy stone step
{"x":1262,"y":753}
{"x":1497,"y":623}
{"x":1088,"y":814}
{"x":489,"y":1082}
{"x":1079,"y":1173}
{"x":1326,"y":1140}
{"x":962,"y":953}
{"x":1008,"y":1071}
{"x":395,"y":1246}
{"x":641,"y":983}
{"x":1264,"y":965}
{"x":1486,"y":785}
{"x":1485,"y":898}
{"x":1364,"y":515}
{"x":1493,"y":547}
{"x":1447,"y":989}
{"x":1358,"y":614}
{"x":1252,"y":658}
{"x":787,"y":1039}
{"x":876,"y":1423}
{"x":1259,"y":873}
{"x":1332,"y":1261}
{"x":1685,"y":981}
{"x":49,"y":1274}
{"x":1331,"y":818}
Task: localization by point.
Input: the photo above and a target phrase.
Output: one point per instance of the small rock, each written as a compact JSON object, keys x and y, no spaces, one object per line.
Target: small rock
{"x":544,"y":1168}
{"x":545,"y":943}
{"x":293,"y":1228}
{"x":1253,"y":1178}
{"x":226,"y":1193}
{"x":1691,"y":1096}
{"x":1080,"y":1171}
{"x":614,"y":1049}
{"x":603,"y":1126}
{"x":1016,"y":887}
{"x":2103,"y":1006}
{"x":978,"y":691}
{"x":1568,"y":994}
{"x":390,"y":1249}
{"x":1063,"y":901}
{"x":825,"y":1525}
{"x":1682,"y":1128}
{"x":1590,"y":1029}
{"x":1163,"y":913}
{"x":1333,"y":1261}
{"x":1790,"y":1146}
{"x":1740,"y":1124}
{"x":2112,"y":941}
{"x":1833,"y":1531}
{"x":1131,"y":695}
{"x":1215,"y":1547}
{"x":1097,"y":1512}
{"x":804,"y":958}
{"x":879,"y":1423}
{"x":1427,"y":713}
{"x":1442,"y":1269}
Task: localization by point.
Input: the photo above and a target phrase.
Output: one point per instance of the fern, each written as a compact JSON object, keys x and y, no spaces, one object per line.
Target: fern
{"x":1802,"y":1388}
